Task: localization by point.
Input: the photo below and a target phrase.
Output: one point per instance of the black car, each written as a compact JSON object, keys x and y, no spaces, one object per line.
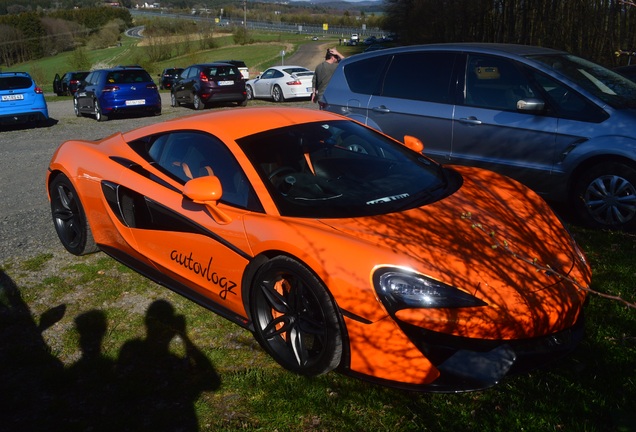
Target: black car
{"x":67,"y":84}
{"x":168,"y":77}
{"x":119,"y":90}
{"x":204,"y":84}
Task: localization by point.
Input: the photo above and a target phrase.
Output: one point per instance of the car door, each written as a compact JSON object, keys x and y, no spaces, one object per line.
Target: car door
{"x":181,"y":87}
{"x":263,"y":85}
{"x":57,"y":85}
{"x":87,"y":93}
{"x":490,"y":132}
{"x":183,"y":238}
{"x":417,"y":98}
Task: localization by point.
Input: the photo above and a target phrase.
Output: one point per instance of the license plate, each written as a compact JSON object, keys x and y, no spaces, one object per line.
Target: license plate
{"x":225,"y":83}
{"x":13,"y":97}
{"x":308,"y":89}
{"x":136,"y":102}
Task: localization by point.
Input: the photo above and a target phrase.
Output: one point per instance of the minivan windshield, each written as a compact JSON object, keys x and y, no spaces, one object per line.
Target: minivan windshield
{"x":609,"y":86}
{"x":342,"y":169}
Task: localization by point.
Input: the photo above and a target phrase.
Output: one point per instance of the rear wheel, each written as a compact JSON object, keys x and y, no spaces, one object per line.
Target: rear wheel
{"x":295,"y":319}
{"x":605,"y":196}
{"x":277,"y":94}
{"x":197,"y":102}
{"x":99,"y":115}
{"x":69,"y":217}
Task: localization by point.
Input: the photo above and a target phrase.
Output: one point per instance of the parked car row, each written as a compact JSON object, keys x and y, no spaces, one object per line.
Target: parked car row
{"x":560,"y":124}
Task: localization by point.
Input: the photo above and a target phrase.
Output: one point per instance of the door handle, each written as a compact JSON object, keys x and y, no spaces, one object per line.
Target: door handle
{"x":470,"y":120}
{"x":381,"y":109}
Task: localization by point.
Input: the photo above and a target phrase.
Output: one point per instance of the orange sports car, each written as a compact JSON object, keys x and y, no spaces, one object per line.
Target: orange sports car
{"x":337,"y":246}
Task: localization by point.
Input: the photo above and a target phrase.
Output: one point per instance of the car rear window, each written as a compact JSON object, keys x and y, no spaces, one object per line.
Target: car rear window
{"x":128,"y":76}
{"x":224,"y":72}
{"x":15,"y":82}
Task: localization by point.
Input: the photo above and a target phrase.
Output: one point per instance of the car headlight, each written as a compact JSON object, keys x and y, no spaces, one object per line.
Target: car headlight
{"x":399,"y":289}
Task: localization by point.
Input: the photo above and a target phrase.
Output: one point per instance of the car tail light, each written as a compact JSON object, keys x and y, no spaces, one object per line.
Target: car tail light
{"x":296,"y":82}
{"x":203,"y":77}
{"x":110,"y":88}
{"x":151,"y":86}
{"x":38,"y":90}
{"x":74,"y":81}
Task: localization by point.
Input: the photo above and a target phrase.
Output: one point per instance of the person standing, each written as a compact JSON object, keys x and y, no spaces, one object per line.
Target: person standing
{"x":324,"y":72}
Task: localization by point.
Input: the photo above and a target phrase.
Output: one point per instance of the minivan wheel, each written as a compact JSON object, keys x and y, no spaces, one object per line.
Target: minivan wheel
{"x":605,"y":196}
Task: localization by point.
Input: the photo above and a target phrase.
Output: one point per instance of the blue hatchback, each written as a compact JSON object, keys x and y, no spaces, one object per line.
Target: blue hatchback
{"x":120,"y":90}
{"x":21,"y":100}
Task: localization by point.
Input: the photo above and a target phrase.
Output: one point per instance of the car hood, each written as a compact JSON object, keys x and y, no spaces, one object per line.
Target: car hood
{"x":493,"y":238}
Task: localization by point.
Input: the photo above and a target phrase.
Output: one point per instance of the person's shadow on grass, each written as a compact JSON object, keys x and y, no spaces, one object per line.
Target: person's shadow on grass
{"x":156,"y":388}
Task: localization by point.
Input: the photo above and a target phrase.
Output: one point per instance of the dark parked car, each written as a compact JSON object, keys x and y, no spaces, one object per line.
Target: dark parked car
{"x":204,"y":84}
{"x":21,"y":100}
{"x":120,"y":90}
{"x":168,"y":77}
{"x":558,"y":123}
{"x":67,"y":84}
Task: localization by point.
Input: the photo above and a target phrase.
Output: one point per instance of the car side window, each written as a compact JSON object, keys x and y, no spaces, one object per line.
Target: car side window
{"x":268,"y":74}
{"x":90,"y":78}
{"x":495,"y":83}
{"x":566,"y":102}
{"x":188,"y":154}
{"x":424,"y":76}
{"x":364,"y":76}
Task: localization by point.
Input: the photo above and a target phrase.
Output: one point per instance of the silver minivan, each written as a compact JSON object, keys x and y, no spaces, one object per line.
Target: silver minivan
{"x":562,"y":125}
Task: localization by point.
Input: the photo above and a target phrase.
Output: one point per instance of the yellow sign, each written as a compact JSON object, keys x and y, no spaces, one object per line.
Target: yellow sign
{"x":325,"y":26}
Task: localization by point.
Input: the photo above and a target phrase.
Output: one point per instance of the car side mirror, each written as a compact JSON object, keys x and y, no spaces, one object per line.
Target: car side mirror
{"x":413,"y":143}
{"x":207,"y":190}
{"x":530,"y":105}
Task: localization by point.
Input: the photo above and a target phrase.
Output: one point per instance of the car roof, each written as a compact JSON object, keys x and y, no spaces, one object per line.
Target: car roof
{"x":283,"y":67}
{"x":234,"y":124}
{"x":492,"y":48}
{"x":6,"y":74}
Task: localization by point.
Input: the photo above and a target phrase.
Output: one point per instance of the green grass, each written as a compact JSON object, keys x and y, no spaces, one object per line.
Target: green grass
{"x":593,"y":389}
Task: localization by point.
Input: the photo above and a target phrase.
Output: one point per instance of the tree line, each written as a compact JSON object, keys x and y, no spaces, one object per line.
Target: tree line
{"x":31,"y":35}
{"x":594,"y":29}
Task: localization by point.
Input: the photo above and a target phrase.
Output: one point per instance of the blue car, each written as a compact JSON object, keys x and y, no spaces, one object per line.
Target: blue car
{"x":21,"y":100}
{"x":121,"y":90}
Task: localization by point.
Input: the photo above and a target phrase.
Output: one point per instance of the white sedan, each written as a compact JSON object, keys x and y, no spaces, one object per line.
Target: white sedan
{"x":280,"y":83}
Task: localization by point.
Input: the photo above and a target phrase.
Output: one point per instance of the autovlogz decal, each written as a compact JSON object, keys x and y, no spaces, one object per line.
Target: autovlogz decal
{"x":206,"y":272}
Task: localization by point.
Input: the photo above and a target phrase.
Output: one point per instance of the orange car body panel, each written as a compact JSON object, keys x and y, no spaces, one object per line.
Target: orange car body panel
{"x":494,"y":255}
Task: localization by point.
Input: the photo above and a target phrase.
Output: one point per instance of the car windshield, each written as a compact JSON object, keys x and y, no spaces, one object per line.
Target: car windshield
{"x":14,"y":82}
{"x":607,"y":85}
{"x":342,"y":169}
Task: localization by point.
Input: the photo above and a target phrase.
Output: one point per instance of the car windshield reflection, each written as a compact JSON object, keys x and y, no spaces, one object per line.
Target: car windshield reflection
{"x":341,"y":169}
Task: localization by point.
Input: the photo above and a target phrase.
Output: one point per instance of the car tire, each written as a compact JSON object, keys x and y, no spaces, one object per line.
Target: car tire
{"x":605,"y":196}
{"x":197,"y":102}
{"x":99,"y":115}
{"x":69,"y":217}
{"x":295,"y":319}
{"x":242,"y":103}
{"x":173,"y":100}
{"x":76,"y":108}
{"x":277,"y":94}
{"x":249,"y":92}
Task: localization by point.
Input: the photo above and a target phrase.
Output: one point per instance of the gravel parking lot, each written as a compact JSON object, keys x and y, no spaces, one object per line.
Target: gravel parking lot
{"x":25,"y":221}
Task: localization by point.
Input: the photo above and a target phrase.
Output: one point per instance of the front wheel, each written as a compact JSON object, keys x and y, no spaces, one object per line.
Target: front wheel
{"x":295,"y":319}
{"x":173,"y":100}
{"x":605,"y":196}
{"x":277,"y":94}
{"x":249,"y":92}
{"x":76,"y":108}
{"x":69,"y":217}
